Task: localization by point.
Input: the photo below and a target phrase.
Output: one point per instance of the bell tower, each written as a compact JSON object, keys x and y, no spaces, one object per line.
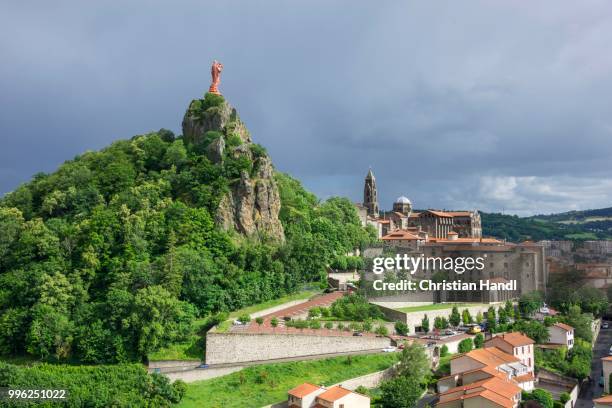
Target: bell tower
{"x":370,"y":195}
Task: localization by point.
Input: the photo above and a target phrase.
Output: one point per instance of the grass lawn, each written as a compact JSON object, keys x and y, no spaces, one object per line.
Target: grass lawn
{"x":436,"y":306}
{"x":261,"y":385}
{"x":193,"y":347}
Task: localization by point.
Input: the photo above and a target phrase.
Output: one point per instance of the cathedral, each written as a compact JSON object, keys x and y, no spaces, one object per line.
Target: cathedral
{"x":423,"y":224}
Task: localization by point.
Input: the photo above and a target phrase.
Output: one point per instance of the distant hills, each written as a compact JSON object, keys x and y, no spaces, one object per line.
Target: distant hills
{"x":576,"y":225}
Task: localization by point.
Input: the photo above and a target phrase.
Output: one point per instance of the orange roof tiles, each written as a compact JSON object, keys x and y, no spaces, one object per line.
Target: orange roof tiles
{"x":606,"y":400}
{"x":334,"y":393}
{"x":400,"y":235}
{"x":303,"y":389}
{"x":524,"y":378}
{"x":494,"y":389}
{"x":515,"y":339}
{"x":491,"y":356}
{"x":607,"y":358}
{"x":564,"y":326}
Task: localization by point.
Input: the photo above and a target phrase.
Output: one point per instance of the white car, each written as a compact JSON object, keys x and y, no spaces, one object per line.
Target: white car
{"x":605,"y":325}
{"x":389,"y":349}
{"x":610,"y":351}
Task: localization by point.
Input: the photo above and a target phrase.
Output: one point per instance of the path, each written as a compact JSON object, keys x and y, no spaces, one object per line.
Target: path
{"x":593,"y":390}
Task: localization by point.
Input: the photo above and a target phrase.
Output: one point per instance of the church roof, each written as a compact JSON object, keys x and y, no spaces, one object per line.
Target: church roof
{"x":402,"y":200}
{"x":370,"y":175}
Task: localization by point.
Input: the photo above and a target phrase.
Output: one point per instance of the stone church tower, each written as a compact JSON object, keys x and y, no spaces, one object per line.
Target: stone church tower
{"x":370,"y":195}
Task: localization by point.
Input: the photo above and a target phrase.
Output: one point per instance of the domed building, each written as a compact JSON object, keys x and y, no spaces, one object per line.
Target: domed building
{"x":403,"y":205}
{"x":434,"y":224}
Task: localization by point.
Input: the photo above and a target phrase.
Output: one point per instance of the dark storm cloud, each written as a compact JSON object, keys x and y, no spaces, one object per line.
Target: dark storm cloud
{"x":491,"y":105}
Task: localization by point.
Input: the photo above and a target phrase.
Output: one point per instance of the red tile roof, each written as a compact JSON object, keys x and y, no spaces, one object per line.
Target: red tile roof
{"x":303,"y":389}
{"x":607,"y":400}
{"x":334,"y":393}
{"x":515,"y":339}
{"x":564,"y":326}
{"x":400,"y":235}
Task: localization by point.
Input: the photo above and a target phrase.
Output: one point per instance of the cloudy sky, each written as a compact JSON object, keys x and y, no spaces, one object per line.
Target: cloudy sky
{"x":497,"y":105}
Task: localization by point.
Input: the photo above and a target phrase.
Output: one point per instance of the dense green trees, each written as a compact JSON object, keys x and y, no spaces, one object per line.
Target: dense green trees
{"x":405,"y":389}
{"x":95,"y":386}
{"x":354,"y":307}
{"x":113,"y":255}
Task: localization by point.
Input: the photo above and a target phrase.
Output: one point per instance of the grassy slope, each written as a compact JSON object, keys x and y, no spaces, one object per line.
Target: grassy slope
{"x":258,"y":386}
{"x":193,"y":347}
{"x":435,"y":306}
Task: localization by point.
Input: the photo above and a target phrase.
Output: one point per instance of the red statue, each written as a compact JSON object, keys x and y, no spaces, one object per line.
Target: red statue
{"x":215,"y":71}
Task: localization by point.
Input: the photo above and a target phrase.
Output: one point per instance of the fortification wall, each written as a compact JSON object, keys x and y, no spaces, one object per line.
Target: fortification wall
{"x":229,"y":348}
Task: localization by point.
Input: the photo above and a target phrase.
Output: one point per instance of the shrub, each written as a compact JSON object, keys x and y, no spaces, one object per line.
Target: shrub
{"x":564,"y":397}
{"x":401,"y":328}
{"x":444,"y":351}
{"x":325,"y":312}
{"x":329,"y":325}
{"x":367,"y":325}
{"x":355,"y":307}
{"x":478,"y":340}
{"x":244,"y":319}
{"x":315,"y":324}
{"x":340,"y":326}
{"x":259,"y":320}
{"x":314,"y":312}
{"x":382,"y":330}
{"x":465,"y":346}
{"x":274,"y":322}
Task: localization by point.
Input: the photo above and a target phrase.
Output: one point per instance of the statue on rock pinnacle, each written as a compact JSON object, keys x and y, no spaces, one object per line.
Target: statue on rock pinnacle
{"x":215,"y":72}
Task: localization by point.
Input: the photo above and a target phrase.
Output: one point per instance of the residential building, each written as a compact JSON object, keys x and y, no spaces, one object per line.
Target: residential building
{"x":491,"y":392}
{"x":607,"y":370}
{"x":487,"y":363}
{"x":516,"y":344}
{"x":561,"y":333}
{"x":303,"y":396}
{"x":311,"y":396}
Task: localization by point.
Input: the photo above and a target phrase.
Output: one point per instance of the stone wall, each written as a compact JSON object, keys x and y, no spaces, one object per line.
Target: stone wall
{"x":231,"y":348}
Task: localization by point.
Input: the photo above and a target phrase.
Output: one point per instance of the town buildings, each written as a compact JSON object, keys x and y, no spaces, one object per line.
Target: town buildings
{"x":607,"y":370}
{"x":561,"y":333}
{"x":433,"y":223}
{"x":492,"y":376}
{"x":307,"y":395}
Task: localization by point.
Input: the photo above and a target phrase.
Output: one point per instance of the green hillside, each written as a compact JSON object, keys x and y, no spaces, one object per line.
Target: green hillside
{"x":578,"y":225}
{"x":114,"y":255}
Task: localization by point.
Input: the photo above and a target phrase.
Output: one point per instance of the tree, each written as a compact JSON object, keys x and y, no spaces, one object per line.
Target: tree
{"x":274,"y":322}
{"x":401,"y":328}
{"x":543,"y":397}
{"x":413,"y":361}
{"x":440,"y":323}
{"x":581,"y":322}
{"x":533,"y":329}
{"x":244,"y":318}
{"x":466,"y":317}
{"x":400,"y":392}
{"x":465,"y":345}
{"x":314,"y":312}
{"x":502,"y":317}
{"x":478,"y":340}
{"x":509,"y":308}
{"x":367,"y":325}
{"x":491,"y":321}
{"x":425,"y":324}
{"x":530,"y":302}
{"x":329,"y":325}
{"x":479,"y":317}
{"x":444,"y":350}
{"x":454,"y":318}
{"x":259,"y":320}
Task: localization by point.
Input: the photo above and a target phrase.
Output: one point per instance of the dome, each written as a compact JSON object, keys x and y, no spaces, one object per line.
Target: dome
{"x":402,"y":200}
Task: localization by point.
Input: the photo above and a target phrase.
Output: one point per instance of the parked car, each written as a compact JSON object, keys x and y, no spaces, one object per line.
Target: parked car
{"x":610,"y":351}
{"x":474,"y":330}
{"x":450,"y":332}
{"x":605,"y":325}
{"x":358,"y":334}
{"x":389,"y":349}
{"x":237,"y":323}
{"x":601,"y":381}
{"x":203,"y":366}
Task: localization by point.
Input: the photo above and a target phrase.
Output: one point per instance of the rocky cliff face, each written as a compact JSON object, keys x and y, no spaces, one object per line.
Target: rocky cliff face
{"x":252,"y":204}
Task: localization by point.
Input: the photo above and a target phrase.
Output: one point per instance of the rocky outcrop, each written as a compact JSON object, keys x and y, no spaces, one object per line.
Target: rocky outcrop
{"x":252,"y":204}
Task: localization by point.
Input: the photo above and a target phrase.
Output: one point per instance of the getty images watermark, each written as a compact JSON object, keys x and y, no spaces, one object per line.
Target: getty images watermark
{"x":388,"y":272}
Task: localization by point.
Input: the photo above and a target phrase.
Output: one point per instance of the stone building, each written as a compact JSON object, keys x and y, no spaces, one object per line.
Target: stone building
{"x":436,"y":223}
